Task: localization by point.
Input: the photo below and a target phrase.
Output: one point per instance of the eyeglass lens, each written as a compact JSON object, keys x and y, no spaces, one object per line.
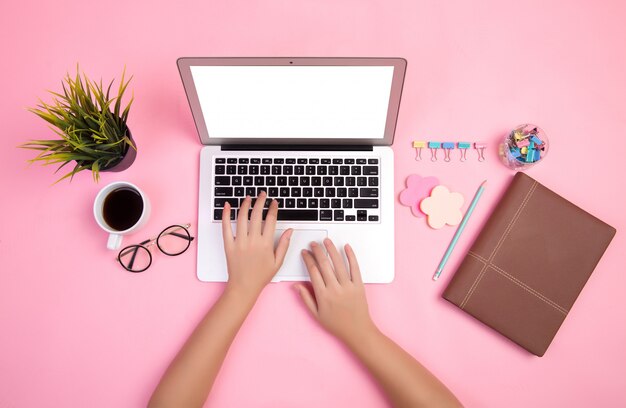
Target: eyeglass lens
{"x":135,"y":258}
{"x":174,"y":240}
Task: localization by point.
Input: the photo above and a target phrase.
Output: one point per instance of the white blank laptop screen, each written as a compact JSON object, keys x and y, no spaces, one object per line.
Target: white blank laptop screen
{"x":294,"y":101}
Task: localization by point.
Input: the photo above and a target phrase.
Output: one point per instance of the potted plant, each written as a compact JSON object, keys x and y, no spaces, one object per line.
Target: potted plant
{"x":92,"y":125}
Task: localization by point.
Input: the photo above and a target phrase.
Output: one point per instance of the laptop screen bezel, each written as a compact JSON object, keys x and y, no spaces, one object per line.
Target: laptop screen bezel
{"x":399,"y":64}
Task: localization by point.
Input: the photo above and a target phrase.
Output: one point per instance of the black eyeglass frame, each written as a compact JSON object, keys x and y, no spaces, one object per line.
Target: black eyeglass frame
{"x":145,"y":245}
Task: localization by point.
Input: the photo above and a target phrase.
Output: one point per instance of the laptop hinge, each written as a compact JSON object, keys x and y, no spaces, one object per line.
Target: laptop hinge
{"x":363,"y":148}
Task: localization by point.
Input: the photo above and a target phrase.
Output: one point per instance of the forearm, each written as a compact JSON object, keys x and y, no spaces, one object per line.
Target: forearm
{"x":405,"y":381}
{"x":189,"y":378}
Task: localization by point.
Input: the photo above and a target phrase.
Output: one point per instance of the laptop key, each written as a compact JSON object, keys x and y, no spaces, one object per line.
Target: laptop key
{"x":338,"y":181}
{"x":355,"y":170}
{"x":223,"y":191}
{"x":276,"y":170}
{"x":273,"y":191}
{"x":350,"y":218}
{"x":293,"y":181}
{"x":302,"y":161}
{"x":290,"y":161}
{"x":231,"y":160}
{"x":365,"y":203}
{"x":316,"y":181}
{"x":314,"y":161}
{"x":338,"y":215}
{"x":360,"y":161}
{"x":342,"y":192}
{"x":239,"y":191}
{"x":232,"y":169}
{"x":305,"y":180}
{"x":251,"y":191}
{"x":353,"y":192}
{"x":220,"y":169}
{"x":346,"y":203}
{"x":361,"y":181}
{"x":326,"y":215}
{"x":266,"y":161}
{"x":220,"y":160}
{"x":301,"y":203}
{"x":259,"y":180}
{"x":284,"y":191}
{"x":307,"y":192}
{"x":242,"y":169}
{"x":298,"y":170}
{"x":344,"y":170}
{"x":325,"y":161}
{"x":372,"y":161}
{"x":350,"y":181}
{"x":290,"y":203}
{"x":330,"y":192}
{"x":310,"y":170}
{"x":372,"y":218}
{"x":296,"y":192}
{"x":335,"y":203}
{"x":253,"y":170}
{"x":270,"y":180}
{"x":236,"y":180}
{"x":337,"y":161}
{"x":312,"y":203}
{"x":372,"y":182}
{"x":349,"y":161}
{"x":248,"y":180}
{"x":243,"y":161}
{"x":370,"y":170}
{"x":281,"y":181}
{"x":324,"y":203}
{"x":265,"y":170}
{"x":322,"y":170}
{"x":220,"y":201}
{"x":279,"y":161}
{"x":333,"y":170}
{"x":361,"y":215}
{"x":222,"y":180}
{"x":217,"y":214}
{"x":318,"y":192}
{"x":327,"y":181}
{"x":368,"y":192}
{"x":255,"y":161}
{"x":297,"y":215}
{"x":288,"y":170}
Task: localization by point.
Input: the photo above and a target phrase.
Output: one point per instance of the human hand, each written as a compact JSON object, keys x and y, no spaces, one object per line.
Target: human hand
{"x":338,"y":302}
{"x":250,"y":255}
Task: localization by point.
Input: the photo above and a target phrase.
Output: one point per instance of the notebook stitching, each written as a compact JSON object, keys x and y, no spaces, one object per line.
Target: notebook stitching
{"x":507,"y":230}
{"x":520,"y":283}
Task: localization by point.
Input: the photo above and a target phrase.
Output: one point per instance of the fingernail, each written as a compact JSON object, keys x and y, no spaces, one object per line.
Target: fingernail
{"x":313,"y":244}
{"x":289,"y":233}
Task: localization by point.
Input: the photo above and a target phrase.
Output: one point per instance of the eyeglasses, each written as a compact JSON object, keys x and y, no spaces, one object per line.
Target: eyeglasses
{"x":172,"y":241}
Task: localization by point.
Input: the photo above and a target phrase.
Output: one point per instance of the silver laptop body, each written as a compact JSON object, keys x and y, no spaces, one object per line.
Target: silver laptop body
{"x":314,"y":133}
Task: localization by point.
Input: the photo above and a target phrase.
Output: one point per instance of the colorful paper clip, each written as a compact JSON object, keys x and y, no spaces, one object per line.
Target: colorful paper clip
{"x":480,"y":148}
{"x":418,"y":145}
{"x":433,"y":146}
{"x":463,"y":146}
{"x":447,"y":148}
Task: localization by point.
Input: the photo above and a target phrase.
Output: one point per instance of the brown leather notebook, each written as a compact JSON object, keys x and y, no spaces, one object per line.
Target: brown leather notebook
{"x":529,"y":264}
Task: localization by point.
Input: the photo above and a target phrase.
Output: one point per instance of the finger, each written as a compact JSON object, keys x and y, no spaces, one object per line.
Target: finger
{"x":316,"y":278}
{"x":227,"y":231}
{"x":257,"y":215}
{"x":355,"y":271}
{"x":324,"y":265}
{"x":282,"y":247}
{"x":339,"y":265}
{"x":242,"y":219}
{"x":270,"y":220}
{"x":308,"y":299}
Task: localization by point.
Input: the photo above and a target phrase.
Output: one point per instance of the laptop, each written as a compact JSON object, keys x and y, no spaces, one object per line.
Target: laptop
{"x":315,"y":134}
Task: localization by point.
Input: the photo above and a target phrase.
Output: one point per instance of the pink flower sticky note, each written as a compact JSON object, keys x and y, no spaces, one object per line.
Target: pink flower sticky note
{"x":442,"y":207}
{"x":417,"y":188}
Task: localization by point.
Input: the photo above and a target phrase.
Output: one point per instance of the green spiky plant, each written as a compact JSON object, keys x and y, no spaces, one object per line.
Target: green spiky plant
{"x":91,"y":124}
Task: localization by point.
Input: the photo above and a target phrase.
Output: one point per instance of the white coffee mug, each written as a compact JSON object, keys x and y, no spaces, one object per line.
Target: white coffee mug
{"x":115,"y":235}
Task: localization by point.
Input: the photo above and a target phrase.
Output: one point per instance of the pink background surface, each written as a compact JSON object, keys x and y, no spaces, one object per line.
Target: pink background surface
{"x":76,"y":330}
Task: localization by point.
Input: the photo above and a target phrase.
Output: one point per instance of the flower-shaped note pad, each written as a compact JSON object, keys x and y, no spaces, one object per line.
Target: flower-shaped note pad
{"x":442,"y":207}
{"x":417,"y":188}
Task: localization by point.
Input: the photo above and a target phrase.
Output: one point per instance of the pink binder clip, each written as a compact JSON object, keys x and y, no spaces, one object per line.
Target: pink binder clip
{"x":480,"y":148}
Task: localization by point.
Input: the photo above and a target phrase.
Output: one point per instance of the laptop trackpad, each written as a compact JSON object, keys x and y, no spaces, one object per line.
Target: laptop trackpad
{"x":293,"y":267}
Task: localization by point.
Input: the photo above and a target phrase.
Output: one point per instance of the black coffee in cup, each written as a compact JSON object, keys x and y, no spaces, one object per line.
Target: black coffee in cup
{"x":122,"y":208}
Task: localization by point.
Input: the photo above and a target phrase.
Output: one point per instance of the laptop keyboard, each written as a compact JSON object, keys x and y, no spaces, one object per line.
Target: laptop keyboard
{"x":328,"y":189}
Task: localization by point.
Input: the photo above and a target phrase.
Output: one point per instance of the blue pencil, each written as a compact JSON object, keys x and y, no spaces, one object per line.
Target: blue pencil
{"x":459,"y":230}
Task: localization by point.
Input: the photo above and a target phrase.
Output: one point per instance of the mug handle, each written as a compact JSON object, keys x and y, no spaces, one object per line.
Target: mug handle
{"x":114,"y":242}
